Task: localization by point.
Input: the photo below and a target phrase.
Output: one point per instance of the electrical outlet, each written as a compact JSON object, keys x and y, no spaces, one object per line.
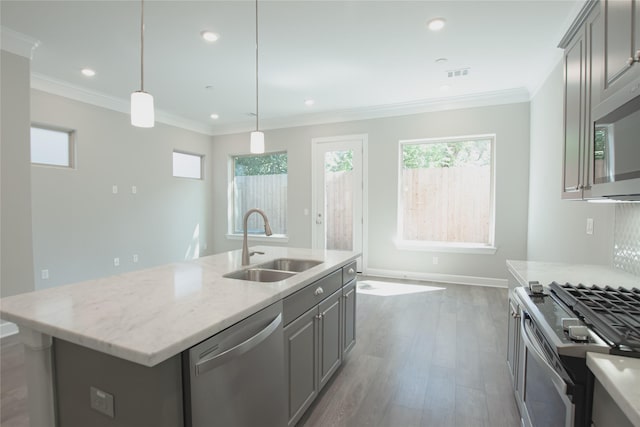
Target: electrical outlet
{"x":135,"y":257}
{"x":102,"y":401}
{"x":116,"y":262}
{"x":435,"y":260}
{"x":134,"y":189}
{"x":589,"y":225}
{"x":114,"y":189}
{"x":45,"y":274}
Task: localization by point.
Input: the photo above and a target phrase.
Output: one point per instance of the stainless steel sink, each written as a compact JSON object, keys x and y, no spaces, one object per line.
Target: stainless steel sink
{"x":259,"y":275}
{"x":289,"y":264}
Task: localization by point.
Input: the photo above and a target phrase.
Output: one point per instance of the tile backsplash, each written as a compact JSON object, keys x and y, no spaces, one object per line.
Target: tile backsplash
{"x":626,"y":238}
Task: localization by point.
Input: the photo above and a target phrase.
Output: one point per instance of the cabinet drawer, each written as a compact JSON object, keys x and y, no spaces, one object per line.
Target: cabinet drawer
{"x":304,"y":299}
{"x":349,"y":272}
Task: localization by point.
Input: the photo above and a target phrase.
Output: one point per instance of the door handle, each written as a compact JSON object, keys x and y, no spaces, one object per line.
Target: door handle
{"x":213,"y":362}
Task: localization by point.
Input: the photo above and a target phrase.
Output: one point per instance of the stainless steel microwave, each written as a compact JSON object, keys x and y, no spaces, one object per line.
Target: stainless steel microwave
{"x":615,"y":157}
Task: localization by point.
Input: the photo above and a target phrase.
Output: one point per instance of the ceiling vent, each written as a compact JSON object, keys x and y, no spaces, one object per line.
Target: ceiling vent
{"x":461,"y":72}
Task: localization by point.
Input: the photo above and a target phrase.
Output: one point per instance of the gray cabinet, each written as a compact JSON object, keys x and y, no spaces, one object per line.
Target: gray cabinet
{"x":330,"y":335}
{"x":300,"y":358}
{"x":582,"y":83}
{"x":349,"y":317}
{"x":315,"y":340}
{"x":622,"y":44}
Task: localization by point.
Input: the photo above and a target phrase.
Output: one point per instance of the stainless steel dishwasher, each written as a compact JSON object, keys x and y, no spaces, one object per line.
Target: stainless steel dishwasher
{"x":236,"y":377}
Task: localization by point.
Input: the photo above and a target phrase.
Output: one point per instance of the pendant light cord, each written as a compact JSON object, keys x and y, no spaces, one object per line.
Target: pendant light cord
{"x":257,"y":66}
{"x":141,"y":45}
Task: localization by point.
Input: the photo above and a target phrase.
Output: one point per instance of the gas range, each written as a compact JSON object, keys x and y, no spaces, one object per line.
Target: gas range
{"x":576,"y":319}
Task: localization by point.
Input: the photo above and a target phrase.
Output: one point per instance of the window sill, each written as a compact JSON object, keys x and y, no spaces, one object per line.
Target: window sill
{"x":461,"y":248}
{"x":280,"y":238}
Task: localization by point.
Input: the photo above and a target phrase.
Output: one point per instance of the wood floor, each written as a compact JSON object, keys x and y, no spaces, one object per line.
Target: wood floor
{"x":434,"y":358}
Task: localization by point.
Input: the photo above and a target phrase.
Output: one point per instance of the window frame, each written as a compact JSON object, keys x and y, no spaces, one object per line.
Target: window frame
{"x":188,"y":153}
{"x":439,"y":246}
{"x":231,"y":234}
{"x":71,"y":145}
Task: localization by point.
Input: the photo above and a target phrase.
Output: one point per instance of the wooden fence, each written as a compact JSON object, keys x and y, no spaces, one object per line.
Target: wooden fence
{"x":339,"y":210}
{"x":266,"y":192}
{"x":446,"y":204}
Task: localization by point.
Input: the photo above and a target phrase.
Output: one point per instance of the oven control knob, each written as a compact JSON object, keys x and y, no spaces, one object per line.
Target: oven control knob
{"x":569,"y":321}
{"x":579,"y":333}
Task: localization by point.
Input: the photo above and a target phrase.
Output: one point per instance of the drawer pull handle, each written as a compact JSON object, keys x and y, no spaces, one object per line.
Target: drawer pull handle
{"x":351,"y":271}
{"x":319,"y":291}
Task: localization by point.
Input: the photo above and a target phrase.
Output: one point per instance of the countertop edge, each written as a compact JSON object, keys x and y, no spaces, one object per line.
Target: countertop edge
{"x":612,"y":386}
{"x":154,"y":358}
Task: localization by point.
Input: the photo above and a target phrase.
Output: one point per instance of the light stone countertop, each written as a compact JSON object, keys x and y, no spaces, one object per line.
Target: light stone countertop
{"x":620,"y":376}
{"x":547,"y":272}
{"x":150,"y":315}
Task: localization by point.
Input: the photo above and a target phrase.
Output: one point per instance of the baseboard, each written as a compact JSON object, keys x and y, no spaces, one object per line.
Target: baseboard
{"x":7,"y":329}
{"x":435,"y":277}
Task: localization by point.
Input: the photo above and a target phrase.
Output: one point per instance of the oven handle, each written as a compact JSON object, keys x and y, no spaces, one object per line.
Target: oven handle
{"x":537,"y":354}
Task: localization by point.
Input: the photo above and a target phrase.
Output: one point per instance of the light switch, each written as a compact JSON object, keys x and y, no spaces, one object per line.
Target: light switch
{"x":45,"y":274}
{"x":135,"y":257}
{"x":134,"y":189}
{"x":114,"y":189}
{"x":116,"y":262}
{"x":589,"y":225}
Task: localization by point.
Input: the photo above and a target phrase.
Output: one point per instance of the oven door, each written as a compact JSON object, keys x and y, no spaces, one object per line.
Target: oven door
{"x":545,"y":402}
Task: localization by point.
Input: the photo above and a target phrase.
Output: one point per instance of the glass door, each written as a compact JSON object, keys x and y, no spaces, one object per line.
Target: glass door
{"x":338,"y":183}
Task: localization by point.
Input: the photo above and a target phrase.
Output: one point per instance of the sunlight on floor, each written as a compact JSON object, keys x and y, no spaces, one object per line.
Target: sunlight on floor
{"x":388,"y":289}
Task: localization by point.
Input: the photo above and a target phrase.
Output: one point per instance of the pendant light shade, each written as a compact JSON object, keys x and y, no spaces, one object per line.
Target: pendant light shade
{"x":257,"y":137}
{"x":142,"y":111}
{"x":257,"y":142}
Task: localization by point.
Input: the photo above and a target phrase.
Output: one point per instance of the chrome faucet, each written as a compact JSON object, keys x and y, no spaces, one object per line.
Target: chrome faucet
{"x":267,"y":230}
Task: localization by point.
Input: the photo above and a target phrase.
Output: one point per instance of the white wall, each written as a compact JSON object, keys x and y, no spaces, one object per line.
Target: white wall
{"x":509,"y":122}
{"x":80,"y":226}
{"x":557,"y":227}
{"x":16,"y":249}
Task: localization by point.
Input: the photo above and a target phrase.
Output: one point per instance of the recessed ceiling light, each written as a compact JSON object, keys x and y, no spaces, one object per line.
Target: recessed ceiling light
{"x":445,"y":88}
{"x":214,"y":116}
{"x":210,"y":36}
{"x":309,"y":102}
{"x":441,"y":60}
{"x":88,"y":72}
{"x":436,"y":24}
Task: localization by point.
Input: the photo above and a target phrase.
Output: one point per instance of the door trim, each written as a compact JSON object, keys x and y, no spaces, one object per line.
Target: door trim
{"x":364,"y":140}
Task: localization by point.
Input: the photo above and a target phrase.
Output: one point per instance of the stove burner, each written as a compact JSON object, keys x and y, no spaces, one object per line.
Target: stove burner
{"x":613,"y":313}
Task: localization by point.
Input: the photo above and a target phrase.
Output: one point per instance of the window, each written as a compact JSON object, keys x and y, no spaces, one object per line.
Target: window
{"x":187,"y":165}
{"x":53,"y":147}
{"x":446,"y":192}
{"x":259,"y":181}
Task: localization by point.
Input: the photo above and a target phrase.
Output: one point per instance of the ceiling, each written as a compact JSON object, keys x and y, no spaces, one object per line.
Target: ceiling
{"x":356,"y":59}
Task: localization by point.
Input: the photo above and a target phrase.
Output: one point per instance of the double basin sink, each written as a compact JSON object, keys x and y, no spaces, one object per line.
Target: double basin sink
{"x":274,"y":270}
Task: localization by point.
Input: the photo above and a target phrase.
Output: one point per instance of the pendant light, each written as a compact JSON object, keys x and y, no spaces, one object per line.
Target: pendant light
{"x":257,"y":137}
{"x":142,"y":114}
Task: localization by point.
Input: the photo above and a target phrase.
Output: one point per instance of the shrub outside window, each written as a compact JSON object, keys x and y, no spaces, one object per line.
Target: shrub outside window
{"x":446,"y":191}
{"x":259,"y":181}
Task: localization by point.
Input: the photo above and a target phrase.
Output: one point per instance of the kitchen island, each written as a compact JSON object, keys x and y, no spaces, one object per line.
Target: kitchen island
{"x":147,"y":317}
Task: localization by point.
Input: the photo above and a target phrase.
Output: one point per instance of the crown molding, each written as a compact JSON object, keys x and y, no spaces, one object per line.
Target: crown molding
{"x":67,"y":90}
{"x":509,"y":96}
{"x":18,"y":43}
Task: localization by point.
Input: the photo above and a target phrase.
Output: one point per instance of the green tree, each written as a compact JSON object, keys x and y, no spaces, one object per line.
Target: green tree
{"x":263,"y":164}
{"x":338,"y":161}
{"x":446,"y":154}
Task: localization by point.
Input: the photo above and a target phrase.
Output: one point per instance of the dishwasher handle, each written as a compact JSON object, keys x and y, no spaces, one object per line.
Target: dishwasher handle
{"x":209,"y":363}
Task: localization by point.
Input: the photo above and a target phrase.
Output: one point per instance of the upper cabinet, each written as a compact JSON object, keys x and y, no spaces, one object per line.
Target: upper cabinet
{"x":582,"y":80}
{"x":601,"y":70}
{"x":621,"y":44}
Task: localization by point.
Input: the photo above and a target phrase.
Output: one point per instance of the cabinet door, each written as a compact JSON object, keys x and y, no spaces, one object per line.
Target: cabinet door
{"x":574,"y":105}
{"x":330,"y":348}
{"x":622,"y":40}
{"x":301,"y":355}
{"x":513,"y":342}
{"x":349,"y":317}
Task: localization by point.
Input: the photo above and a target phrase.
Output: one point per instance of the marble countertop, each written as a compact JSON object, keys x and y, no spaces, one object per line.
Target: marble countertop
{"x":150,"y":315}
{"x":547,"y":272}
{"x":620,"y":376}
